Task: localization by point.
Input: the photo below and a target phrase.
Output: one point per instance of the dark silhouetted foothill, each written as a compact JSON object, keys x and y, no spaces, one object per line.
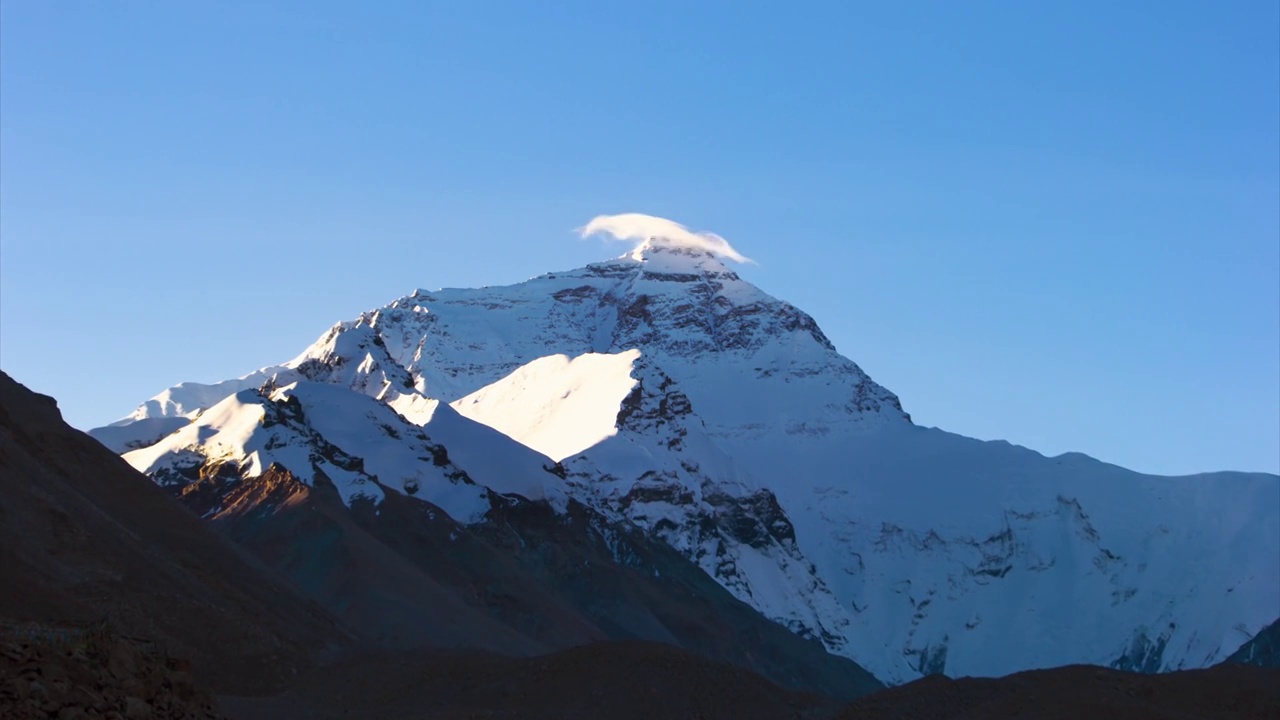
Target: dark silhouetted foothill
{"x":1082,"y":692}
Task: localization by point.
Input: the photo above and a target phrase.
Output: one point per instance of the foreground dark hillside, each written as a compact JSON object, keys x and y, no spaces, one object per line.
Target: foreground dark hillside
{"x":646,"y":680}
{"x":619,"y":680}
{"x":1082,"y":692}
{"x":90,"y":673}
{"x":85,"y":541}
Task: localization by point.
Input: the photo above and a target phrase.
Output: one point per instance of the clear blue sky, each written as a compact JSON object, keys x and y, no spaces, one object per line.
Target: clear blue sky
{"x":1055,"y":225}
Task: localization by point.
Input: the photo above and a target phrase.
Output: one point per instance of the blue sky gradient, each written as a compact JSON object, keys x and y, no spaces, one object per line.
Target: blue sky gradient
{"x":1057,"y":226}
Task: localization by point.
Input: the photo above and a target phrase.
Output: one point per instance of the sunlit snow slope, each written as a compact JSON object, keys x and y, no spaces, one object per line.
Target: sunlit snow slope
{"x":556,"y":405}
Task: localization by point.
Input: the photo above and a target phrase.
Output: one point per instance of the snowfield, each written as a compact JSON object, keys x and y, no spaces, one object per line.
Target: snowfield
{"x":556,"y":405}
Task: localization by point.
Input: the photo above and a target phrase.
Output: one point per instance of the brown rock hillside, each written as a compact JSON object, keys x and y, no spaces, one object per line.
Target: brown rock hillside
{"x":87,"y":541}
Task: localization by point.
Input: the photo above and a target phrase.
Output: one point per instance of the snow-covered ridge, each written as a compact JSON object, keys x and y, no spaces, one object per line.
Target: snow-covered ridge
{"x":685,"y":310}
{"x":686,"y":401}
{"x":321,"y":432}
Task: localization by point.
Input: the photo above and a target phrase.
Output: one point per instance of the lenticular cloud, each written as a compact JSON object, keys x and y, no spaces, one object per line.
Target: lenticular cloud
{"x":639,"y":228}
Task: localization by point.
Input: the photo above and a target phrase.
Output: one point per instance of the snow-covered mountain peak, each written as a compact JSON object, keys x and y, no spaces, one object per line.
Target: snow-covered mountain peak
{"x":668,"y":392}
{"x":662,"y":254}
{"x":648,"y":232}
{"x":751,"y":362}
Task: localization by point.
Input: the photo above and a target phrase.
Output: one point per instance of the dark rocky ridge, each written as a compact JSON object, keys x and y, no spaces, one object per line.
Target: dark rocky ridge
{"x":85,"y":540}
{"x":615,"y":680}
{"x":1082,"y":692}
{"x":90,"y":673}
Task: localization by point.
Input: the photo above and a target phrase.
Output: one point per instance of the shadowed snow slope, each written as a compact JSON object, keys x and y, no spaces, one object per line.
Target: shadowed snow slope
{"x":137,"y":434}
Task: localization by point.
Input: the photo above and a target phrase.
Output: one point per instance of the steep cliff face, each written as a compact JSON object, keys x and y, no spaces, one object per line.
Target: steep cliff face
{"x":667,"y":394}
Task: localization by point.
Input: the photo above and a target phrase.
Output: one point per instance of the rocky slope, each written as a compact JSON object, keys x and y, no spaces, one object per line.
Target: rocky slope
{"x":85,"y":541}
{"x":680,"y":399}
{"x":1082,"y":693}
{"x":92,"y":673}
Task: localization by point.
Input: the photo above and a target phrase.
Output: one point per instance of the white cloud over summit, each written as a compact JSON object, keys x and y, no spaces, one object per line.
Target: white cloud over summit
{"x":638,"y":228}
